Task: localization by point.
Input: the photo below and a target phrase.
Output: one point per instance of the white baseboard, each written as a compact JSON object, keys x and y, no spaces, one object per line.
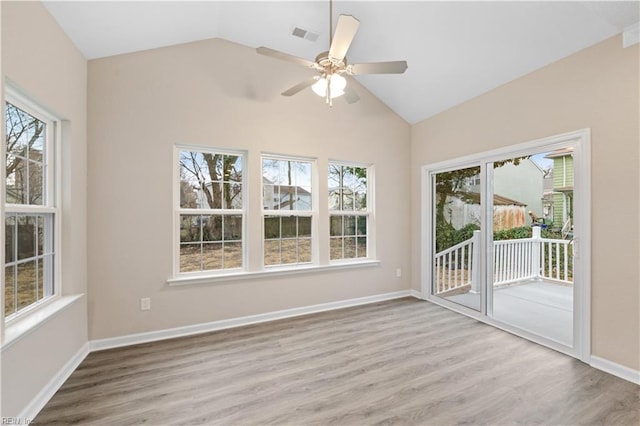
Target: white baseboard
{"x":152,"y":336}
{"x":616,"y":369}
{"x":33,"y":408}
{"x":417,"y":294}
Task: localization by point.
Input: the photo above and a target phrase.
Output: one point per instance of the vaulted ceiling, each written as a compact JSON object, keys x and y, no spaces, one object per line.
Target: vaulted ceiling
{"x":455,"y":50}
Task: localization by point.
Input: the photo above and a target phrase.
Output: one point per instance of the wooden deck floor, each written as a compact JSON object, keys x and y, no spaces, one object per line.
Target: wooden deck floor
{"x":398,"y":362}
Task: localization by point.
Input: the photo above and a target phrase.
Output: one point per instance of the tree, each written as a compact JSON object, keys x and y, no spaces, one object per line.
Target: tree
{"x":211,"y":174}
{"x":448,"y":184}
{"x":24,"y":133}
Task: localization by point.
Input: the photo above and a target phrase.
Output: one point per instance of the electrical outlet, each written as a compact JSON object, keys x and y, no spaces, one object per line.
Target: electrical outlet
{"x":398,"y":272}
{"x":145,"y":304}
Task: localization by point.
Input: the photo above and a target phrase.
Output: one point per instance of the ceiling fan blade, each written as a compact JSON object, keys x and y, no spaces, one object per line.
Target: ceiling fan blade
{"x":284,"y":56}
{"x":393,"y":67}
{"x":350,"y":94}
{"x":345,"y":32}
{"x":299,"y":87}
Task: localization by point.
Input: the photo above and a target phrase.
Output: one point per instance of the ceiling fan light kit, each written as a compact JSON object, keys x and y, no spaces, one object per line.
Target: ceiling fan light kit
{"x":331,"y":65}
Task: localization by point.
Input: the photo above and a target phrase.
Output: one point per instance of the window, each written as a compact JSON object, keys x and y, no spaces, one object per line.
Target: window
{"x":348,"y":211}
{"x":30,"y":218}
{"x":211,"y":211}
{"x":288,"y":210}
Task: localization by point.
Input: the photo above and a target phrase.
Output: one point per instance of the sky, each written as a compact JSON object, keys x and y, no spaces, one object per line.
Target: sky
{"x":544,"y":163}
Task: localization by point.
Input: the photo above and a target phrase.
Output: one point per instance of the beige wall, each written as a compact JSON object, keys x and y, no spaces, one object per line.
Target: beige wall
{"x":42,"y":62}
{"x":596,"y":88}
{"x":219,"y":94}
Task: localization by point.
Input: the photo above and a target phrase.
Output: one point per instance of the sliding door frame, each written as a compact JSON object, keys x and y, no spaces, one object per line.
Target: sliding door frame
{"x":580,"y":140}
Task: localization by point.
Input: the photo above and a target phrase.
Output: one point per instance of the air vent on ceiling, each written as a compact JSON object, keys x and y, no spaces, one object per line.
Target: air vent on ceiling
{"x":305,"y":34}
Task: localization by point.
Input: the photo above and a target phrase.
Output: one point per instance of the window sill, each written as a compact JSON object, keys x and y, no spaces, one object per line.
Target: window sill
{"x":21,"y":327}
{"x":271,"y":272}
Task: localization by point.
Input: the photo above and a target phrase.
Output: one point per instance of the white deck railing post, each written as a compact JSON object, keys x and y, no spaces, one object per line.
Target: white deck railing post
{"x":535,"y":252}
{"x":475,"y":262}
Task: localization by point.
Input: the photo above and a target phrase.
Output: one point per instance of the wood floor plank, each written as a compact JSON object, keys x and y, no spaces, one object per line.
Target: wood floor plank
{"x":398,"y":362}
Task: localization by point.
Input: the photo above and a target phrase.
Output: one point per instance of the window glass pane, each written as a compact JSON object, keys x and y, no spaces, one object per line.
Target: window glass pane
{"x":304,"y":226}
{"x":10,"y":236}
{"x":362,"y":247}
{"x":289,"y":251}
{"x":232,"y":227}
{"x":361,"y":225}
{"x":234,"y":168}
{"x":24,"y":139}
{"x":36,"y":150}
{"x":271,"y":171}
{"x":26,"y":284}
{"x":335,"y":250}
{"x":335,"y":226}
{"x":286,"y":184}
{"x":16,"y":182}
{"x":289,"y":227}
{"x":349,"y":225}
{"x":304,"y":250}
{"x":361,"y":201}
{"x":41,"y":234}
{"x":190,"y":255}
{"x":349,"y":247}
{"x":212,"y":256}
{"x":189,"y":228}
{"x":287,"y":198}
{"x":303,"y":174}
{"x":232,"y":195}
{"x":40,"y":278}
{"x":303,"y":198}
{"x":212,"y":227}
{"x":272,"y":252}
{"x":9,"y":290}
{"x":272,"y":227}
{"x":26,"y":237}
{"x":36,"y":180}
{"x":210,"y":181}
{"x":232,"y":255}
{"x":347,"y":199}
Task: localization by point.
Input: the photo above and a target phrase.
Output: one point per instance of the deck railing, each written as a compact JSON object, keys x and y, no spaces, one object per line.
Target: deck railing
{"x":455,"y":266}
{"x":513,"y":261}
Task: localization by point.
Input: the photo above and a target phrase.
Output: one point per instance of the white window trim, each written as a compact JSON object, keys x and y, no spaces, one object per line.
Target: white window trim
{"x":371,"y":228}
{"x":52,"y":200}
{"x":177,"y":211}
{"x":313,"y":213}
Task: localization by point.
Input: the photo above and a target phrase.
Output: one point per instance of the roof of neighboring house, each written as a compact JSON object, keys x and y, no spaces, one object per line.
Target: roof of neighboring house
{"x":498,"y":200}
{"x":560,"y":152}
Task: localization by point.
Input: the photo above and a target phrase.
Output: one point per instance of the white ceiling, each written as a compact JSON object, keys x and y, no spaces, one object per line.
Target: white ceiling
{"x":455,"y":50}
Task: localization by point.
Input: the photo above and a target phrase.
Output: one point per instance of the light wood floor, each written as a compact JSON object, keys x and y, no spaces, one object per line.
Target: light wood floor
{"x":398,"y":362}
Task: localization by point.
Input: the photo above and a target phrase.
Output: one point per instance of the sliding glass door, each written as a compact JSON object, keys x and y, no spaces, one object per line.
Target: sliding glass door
{"x":501,"y":232}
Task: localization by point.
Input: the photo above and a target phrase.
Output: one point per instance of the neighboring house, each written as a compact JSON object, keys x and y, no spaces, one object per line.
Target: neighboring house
{"x":464,"y":208}
{"x":562,"y":195}
{"x":285,"y":197}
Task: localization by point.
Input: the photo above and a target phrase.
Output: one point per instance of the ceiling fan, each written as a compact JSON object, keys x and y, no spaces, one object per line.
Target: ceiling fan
{"x":332,"y":65}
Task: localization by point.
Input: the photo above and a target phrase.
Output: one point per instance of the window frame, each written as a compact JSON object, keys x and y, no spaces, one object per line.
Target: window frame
{"x":369,"y":213}
{"x":178,"y":211}
{"x":51,"y":202}
{"x":313,"y":213}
